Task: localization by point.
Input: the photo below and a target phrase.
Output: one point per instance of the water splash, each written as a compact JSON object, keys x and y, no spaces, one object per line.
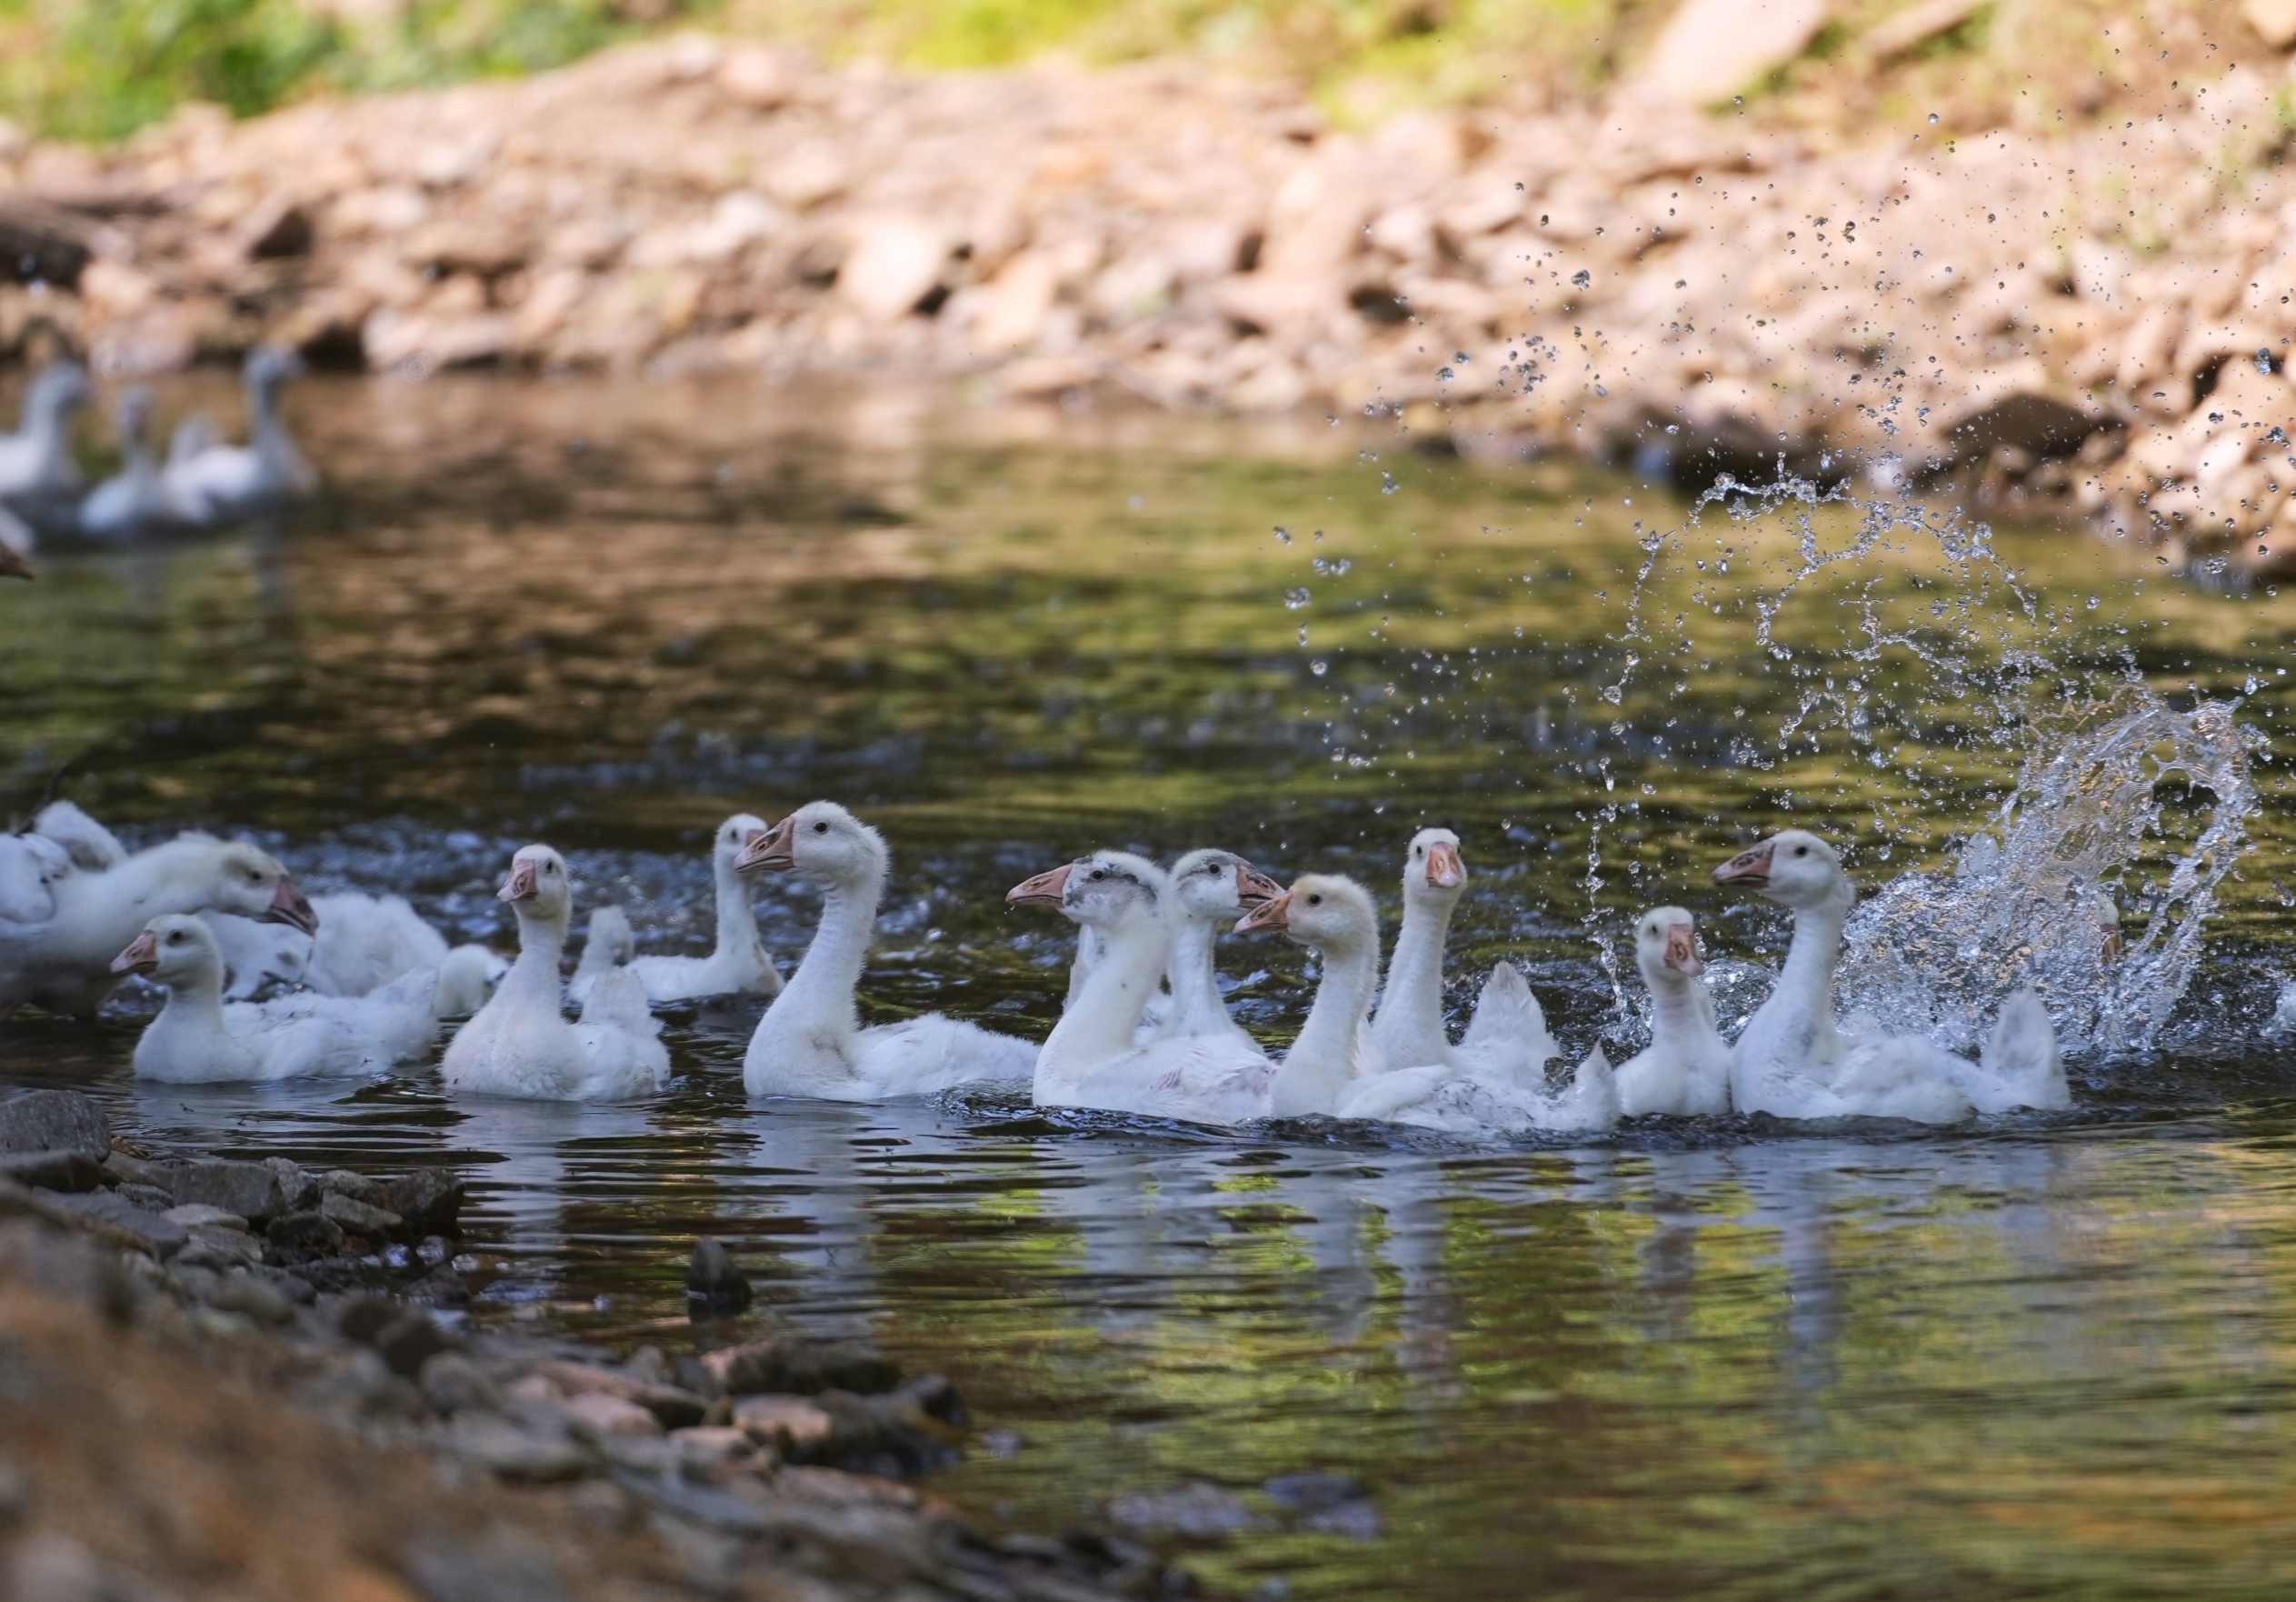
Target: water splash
{"x":2093,"y":884}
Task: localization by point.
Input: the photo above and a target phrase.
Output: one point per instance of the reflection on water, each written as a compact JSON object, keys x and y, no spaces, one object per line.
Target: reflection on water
{"x":2044,"y":1356}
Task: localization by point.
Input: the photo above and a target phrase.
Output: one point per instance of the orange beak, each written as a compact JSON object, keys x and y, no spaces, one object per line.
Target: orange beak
{"x":1682,"y":951}
{"x":520,"y":886}
{"x":1046,"y":889}
{"x":141,"y":956}
{"x":773,"y":847}
{"x":1253,"y":887}
{"x":1749,"y":869}
{"x":289,"y":908}
{"x":1275,"y":913}
{"x":13,"y":565}
{"x":1445,"y":870}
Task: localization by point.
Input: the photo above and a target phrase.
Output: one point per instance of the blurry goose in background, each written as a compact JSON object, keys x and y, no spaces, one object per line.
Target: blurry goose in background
{"x":1686,"y":1066}
{"x":1334,"y":916}
{"x":606,"y":946}
{"x":138,"y":499}
{"x":35,"y":462}
{"x":217,"y":482}
{"x":30,"y":866}
{"x":198,"y":1040}
{"x":16,"y":546}
{"x":363,"y":942}
{"x":1793,"y":1061}
{"x":809,"y":1041}
{"x":739,"y":965}
{"x":520,"y":1042}
{"x":1507,"y":1038}
{"x":65,"y":963}
{"x":93,"y":847}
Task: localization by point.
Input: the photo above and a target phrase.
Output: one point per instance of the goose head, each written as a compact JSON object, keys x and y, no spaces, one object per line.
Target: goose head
{"x":61,"y":388}
{"x":734,"y":837}
{"x":537,"y":884}
{"x":268,"y":366}
{"x":176,"y":950}
{"x":1218,"y":887}
{"x":821,"y":843}
{"x":132,"y":416}
{"x":1327,"y":911}
{"x":1106,"y":890}
{"x":1666,"y":948}
{"x":1433,"y":871}
{"x":251,"y":882}
{"x":1793,"y":868}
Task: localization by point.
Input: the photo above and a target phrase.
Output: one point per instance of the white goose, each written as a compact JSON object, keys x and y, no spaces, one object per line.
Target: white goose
{"x":1792,"y":1061}
{"x":739,"y":965}
{"x":1685,"y":1069}
{"x":65,"y":963}
{"x":16,"y":546}
{"x":35,"y":462}
{"x":138,"y":499}
{"x":520,"y":1042}
{"x":809,"y":1041}
{"x":198,"y":1040}
{"x":1090,"y":1058}
{"x":1210,"y":890}
{"x":61,"y":840}
{"x":218,"y":482}
{"x":363,"y":942}
{"x":607,"y":945}
{"x":1334,"y":915}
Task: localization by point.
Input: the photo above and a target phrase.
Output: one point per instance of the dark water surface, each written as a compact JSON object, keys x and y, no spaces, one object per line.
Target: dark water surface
{"x":2042,"y":1357}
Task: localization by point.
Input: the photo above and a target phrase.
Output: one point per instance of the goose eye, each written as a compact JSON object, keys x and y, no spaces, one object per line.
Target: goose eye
{"x":821,"y":828}
{"x":176,"y":938}
{"x":1315,"y":901}
{"x":1801,"y":850}
{"x":1100,"y":873}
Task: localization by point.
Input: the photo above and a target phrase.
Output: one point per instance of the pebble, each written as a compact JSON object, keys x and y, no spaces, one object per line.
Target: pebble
{"x":249,"y":1190}
{"x":310,"y":1233}
{"x":54,"y":1121}
{"x":516,"y":1451}
{"x":357,"y":1217}
{"x":715,"y":1288}
{"x":453,"y":1383}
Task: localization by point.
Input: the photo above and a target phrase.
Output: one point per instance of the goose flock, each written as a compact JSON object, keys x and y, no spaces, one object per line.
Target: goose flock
{"x":204,"y":482}
{"x":361,"y":983}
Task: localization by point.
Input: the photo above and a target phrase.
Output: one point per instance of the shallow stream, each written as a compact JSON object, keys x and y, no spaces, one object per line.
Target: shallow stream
{"x":2041,"y":1355}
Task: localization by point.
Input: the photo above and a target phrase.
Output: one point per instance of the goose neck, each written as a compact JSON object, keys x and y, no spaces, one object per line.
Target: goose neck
{"x":196,"y":1002}
{"x":1816,"y":950}
{"x":1675,"y":1014}
{"x":1194,"y":973}
{"x":1322,"y":1058}
{"x":1411,"y":1008}
{"x":737,"y":920}
{"x":1098,"y":1027}
{"x":823,"y":985}
{"x":542,"y":946}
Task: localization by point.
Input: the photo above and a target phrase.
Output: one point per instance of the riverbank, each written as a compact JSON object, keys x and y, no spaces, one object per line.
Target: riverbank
{"x":277,"y":1402}
{"x":2090,"y":320}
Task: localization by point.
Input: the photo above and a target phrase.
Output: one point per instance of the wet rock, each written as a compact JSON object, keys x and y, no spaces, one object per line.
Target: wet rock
{"x":715,"y":1288}
{"x":504,"y":1567}
{"x":212,"y":1246}
{"x":53,"y":1121}
{"x":520,"y":1453}
{"x":674,"y":1407}
{"x":361,"y":1319}
{"x":701,"y":1449}
{"x":250,"y":1190}
{"x":799,"y":1368}
{"x":795,"y":1429}
{"x":357,"y":1187}
{"x":410,"y":1342}
{"x":1329,"y":1503}
{"x":357,"y":1218}
{"x":298,"y":1186}
{"x":312,"y":1233}
{"x":50,"y":1567}
{"x":193,"y":1214}
{"x":244,"y":1293}
{"x":127,"y":1168}
{"x":69,"y":1171}
{"x":161,"y":1235}
{"x":16,"y":1495}
{"x":453,"y":1383}
{"x":595,"y":1416}
{"x":1199,"y":1511}
{"x":429,"y":1201}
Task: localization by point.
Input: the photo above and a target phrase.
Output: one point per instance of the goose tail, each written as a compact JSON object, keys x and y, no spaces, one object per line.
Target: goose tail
{"x":1509,"y":1020}
{"x":2020,"y":1054}
{"x":1591,"y":1100}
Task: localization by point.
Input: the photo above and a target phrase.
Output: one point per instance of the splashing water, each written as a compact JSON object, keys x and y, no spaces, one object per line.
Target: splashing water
{"x":2080,"y":888}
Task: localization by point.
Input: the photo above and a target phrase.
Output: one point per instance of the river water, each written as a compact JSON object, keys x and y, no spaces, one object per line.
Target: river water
{"x":2038,"y":1356}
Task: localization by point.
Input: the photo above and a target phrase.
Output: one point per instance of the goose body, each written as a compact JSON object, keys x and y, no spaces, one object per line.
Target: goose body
{"x":60,"y":841}
{"x":520,"y":1043}
{"x":138,"y":499}
{"x":1792,"y":1060}
{"x":216,"y":482}
{"x":1333,"y":1053}
{"x":738,"y":965}
{"x":810,"y":1041}
{"x":36,"y":466}
{"x":606,"y":946}
{"x":62,"y":963}
{"x":197,"y":1039}
{"x":1685,"y":1069}
{"x":363,"y":942}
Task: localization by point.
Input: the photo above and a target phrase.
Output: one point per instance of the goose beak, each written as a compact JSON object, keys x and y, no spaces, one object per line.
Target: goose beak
{"x":1682,"y":951}
{"x":1047,"y":889}
{"x":773,"y":847}
{"x":13,"y":565}
{"x":1253,"y":888}
{"x":1272,"y":914}
{"x":1445,"y":870}
{"x":289,"y":908}
{"x":142,"y":955}
{"x":1749,"y":869}
{"x":520,"y":886}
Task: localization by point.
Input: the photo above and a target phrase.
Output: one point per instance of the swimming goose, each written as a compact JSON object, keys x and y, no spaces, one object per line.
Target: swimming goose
{"x":1507,"y":1036}
{"x":739,"y":965}
{"x":63,"y":963}
{"x":1685,"y":1069}
{"x":1793,"y":1061}
{"x":218,"y":482}
{"x":363,"y":942}
{"x":520,"y":1043}
{"x":809,"y":1041}
{"x":1090,"y":1058}
{"x":198,"y":1040}
{"x":35,"y":462}
{"x":1334,"y":916}
{"x":138,"y":499}
{"x":16,"y":546}
{"x":607,"y":945}
{"x":1210,"y":890}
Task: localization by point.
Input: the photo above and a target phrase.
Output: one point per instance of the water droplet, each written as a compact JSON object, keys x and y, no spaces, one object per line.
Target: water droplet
{"x":1282,"y":534}
{"x":1294,"y":599}
{"x":1319,"y":668}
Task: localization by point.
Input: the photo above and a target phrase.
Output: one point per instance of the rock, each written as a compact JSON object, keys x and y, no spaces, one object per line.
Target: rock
{"x":244,"y":1293}
{"x":1198,"y":1510}
{"x":1918,"y":26}
{"x":675,"y":1409}
{"x":799,"y":1368}
{"x":1711,"y":49}
{"x":596,"y":1414}
{"x":891,"y":262}
{"x":313,"y":1234}
{"x":361,"y":1319}
{"x":250,"y":1190}
{"x":756,"y":76}
{"x":452,"y":1384}
{"x":357,"y":1217}
{"x":410,"y":1341}
{"x":888,"y":1435}
{"x":357,"y":1187}
{"x":196,"y":1213}
{"x":298,"y":1186}
{"x":50,"y":1567}
{"x":163,"y":1238}
{"x":429,"y":1200}
{"x":701,"y":1449}
{"x":715,"y":1288}
{"x":55,"y":1120}
{"x":2274,"y":20}
{"x":127,"y":1168}
{"x":2040,"y":426}
{"x":52,"y":1170}
{"x":42,"y":245}
{"x":212,"y":1246}
{"x":795,"y":1429}
{"x":516,"y":1452}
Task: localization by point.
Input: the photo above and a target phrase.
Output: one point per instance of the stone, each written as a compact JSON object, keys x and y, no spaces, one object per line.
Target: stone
{"x":191,"y":1213}
{"x":795,"y":1427}
{"x":1711,"y":49}
{"x":298,"y":1186}
{"x":453,"y":1383}
{"x":1922,"y":22}
{"x":212,"y":1246}
{"x":799,"y":1368}
{"x":127,"y":1168}
{"x":429,"y":1200}
{"x":715,"y":1288}
{"x":891,"y":262}
{"x":162,"y":1236}
{"x":361,"y":1319}
{"x":1199,"y":1511}
{"x":250,"y":1190}
{"x":595,"y":1414}
{"x":313,"y":1234}
{"x":357,"y":1217}
{"x":410,"y":1341}
{"x":357,"y":1187}
{"x":675,"y":1409}
{"x":55,"y":1120}
{"x":701,"y":1449}
{"x":244,"y":1293}
{"x":52,"y":1170}
{"x":516,"y":1452}
{"x":2274,"y":20}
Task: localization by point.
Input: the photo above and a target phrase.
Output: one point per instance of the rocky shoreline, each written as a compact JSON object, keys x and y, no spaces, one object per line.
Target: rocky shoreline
{"x":228,"y":1378}
{"x":2091,"y":319}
